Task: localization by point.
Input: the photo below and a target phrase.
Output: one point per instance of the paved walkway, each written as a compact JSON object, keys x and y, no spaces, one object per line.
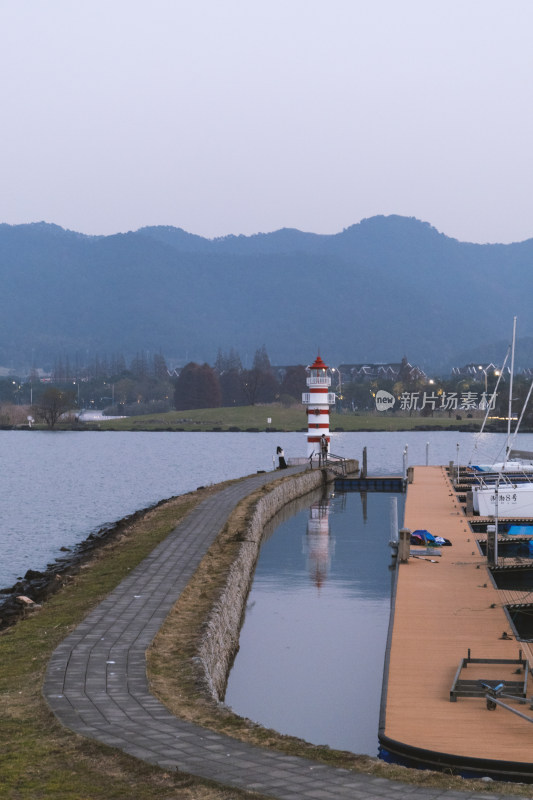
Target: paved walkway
{"x":96,"y":682}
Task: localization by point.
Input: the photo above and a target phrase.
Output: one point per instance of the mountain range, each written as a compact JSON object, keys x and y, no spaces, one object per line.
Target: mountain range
{"x":379,"y":290}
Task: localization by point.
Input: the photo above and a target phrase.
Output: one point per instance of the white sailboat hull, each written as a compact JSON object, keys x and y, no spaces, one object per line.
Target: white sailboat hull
{"x":505,"y":466}
{"x":514,"y":500}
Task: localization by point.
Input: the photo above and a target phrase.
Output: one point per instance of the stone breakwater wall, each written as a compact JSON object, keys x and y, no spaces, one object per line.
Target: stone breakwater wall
{"x":220,"y":638}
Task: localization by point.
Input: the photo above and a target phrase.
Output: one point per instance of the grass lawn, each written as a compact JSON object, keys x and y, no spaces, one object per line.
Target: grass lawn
{"x":255,"y":418}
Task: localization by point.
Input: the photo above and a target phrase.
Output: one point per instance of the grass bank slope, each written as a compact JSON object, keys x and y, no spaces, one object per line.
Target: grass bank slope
{"x":256,"y":418}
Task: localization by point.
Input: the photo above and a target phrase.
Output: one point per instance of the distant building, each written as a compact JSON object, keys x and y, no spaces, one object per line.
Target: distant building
{"x":386,"y":371}
{"x":476,"y":370}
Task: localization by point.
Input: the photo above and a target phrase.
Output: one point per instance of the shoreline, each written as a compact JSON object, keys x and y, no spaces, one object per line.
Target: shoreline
{"x":38,"y":585}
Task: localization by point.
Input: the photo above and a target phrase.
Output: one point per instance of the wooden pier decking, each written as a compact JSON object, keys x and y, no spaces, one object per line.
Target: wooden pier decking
{"x":443,"y":608}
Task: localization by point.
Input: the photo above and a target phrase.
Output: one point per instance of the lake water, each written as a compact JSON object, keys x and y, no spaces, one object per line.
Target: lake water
{"x":57,"y":487}
{"x":312,"y":646}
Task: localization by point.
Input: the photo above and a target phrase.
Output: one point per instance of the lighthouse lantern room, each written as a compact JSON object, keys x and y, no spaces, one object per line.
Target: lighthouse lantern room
{"x":318,"y":400}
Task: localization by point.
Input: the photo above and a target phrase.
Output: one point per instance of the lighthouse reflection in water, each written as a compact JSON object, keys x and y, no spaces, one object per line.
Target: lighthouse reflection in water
{"x":318,"y":543}
{"x":312,"y":645}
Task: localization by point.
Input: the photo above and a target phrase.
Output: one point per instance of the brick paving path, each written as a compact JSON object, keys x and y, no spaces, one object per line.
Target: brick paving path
{"x":96,"y":682}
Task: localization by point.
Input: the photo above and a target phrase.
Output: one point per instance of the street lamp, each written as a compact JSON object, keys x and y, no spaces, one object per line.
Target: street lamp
{"x":337,"y":370}
{"x":484,"y":371}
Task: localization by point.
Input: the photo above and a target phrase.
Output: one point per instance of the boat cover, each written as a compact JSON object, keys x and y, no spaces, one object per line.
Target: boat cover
{"x":520,"y":530}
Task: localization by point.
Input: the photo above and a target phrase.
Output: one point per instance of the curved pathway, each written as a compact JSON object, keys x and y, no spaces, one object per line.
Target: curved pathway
{"x":96,"y":681}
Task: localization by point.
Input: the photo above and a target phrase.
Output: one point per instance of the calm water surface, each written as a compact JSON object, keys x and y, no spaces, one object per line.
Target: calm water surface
{"x":57,"y":487}
{"x":312,"y":646}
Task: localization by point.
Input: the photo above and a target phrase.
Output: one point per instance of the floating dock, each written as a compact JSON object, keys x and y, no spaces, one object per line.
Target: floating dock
{"x":379,"y":483}
{"x":452,"y":627}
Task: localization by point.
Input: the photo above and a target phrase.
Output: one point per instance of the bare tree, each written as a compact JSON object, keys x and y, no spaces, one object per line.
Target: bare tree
{"x":52,"y":404}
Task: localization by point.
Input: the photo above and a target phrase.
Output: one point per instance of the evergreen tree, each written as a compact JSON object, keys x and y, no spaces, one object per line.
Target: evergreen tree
{"x":259,"y":384}
{"x":160,"y":367}
{"x":226,"y":362}
{"x":231,"y":388}
{"x":139,"y":366}
{"x":261,"y":360}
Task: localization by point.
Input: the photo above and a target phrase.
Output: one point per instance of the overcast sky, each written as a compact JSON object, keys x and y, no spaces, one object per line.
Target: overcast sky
{"x":241,"y":116}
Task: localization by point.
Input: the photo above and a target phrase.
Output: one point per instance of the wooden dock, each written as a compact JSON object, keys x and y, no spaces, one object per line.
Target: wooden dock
{"x":443,"y":608}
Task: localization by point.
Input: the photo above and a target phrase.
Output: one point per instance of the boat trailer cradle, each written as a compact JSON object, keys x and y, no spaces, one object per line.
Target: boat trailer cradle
{"x":466,"y":687}
{"x":494,"y":689}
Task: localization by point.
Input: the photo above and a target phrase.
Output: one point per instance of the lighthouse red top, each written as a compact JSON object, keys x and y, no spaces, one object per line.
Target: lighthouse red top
{"x":319,"y":364}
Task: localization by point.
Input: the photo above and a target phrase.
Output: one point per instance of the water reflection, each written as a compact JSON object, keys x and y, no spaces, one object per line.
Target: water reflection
{"x":318,"y":544}
{"x":312,"y":645}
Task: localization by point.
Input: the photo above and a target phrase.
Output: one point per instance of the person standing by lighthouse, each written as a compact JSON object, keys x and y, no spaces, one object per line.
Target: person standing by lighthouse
{"x":318,"y":400}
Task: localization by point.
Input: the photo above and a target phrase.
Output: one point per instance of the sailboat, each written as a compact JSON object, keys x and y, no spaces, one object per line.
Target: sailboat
{"x":506,"y":498}
{"x":505,"y":488}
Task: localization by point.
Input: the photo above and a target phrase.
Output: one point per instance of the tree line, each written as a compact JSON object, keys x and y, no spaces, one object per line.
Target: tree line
{"x":227,"y":383}
{"x":147,"y":385}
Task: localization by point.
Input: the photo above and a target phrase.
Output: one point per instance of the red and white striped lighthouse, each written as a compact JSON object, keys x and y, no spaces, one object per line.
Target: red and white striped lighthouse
{"x":318,"y":400}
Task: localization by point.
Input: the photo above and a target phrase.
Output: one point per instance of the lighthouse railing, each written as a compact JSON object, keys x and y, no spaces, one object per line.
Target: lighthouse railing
{"x":308,"y":398}
{"x":325,"y":381}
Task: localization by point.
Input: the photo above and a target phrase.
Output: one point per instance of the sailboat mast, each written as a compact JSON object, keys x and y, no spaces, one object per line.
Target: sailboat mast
{"x":510,"y":392}
{"x":506,"y":456}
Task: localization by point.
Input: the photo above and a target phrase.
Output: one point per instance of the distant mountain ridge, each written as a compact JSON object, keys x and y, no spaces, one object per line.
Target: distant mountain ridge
{"x":378,"y":290}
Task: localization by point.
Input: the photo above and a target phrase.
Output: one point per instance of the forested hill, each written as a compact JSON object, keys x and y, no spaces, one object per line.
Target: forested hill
{"x":379,"y":290}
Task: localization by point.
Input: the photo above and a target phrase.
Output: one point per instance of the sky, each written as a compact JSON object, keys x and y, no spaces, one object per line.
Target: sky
{"x":244,"y":116}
